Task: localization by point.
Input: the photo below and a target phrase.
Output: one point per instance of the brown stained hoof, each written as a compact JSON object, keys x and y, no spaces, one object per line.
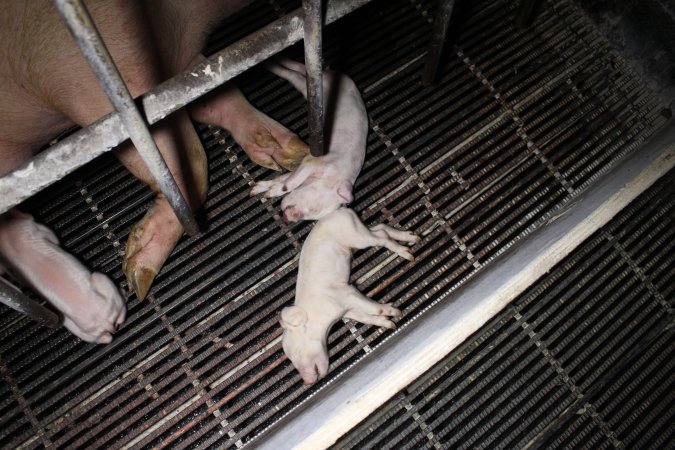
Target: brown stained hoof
{"x":287,"y":157}
{"x":140,"y":278}
{"x":293,"y":154}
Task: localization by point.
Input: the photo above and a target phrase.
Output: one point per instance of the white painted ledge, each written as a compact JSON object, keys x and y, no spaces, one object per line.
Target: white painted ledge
{"x":424,"y":342}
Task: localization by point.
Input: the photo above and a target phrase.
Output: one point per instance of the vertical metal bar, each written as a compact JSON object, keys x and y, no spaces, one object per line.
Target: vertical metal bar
{"x":526,"y":13}
{"x":313,"y":29}
{"x":81,"y":26}
{"x":437,"y":44}
{"x":16,"y":300}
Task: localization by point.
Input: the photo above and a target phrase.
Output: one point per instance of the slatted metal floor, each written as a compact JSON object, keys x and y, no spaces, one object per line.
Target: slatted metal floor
{"x":520,"y":122}
{"x":583,"y":359}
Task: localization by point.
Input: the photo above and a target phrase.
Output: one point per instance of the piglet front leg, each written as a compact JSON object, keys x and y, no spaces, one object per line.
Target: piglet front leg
{"x":288,"y":182}
{"x":90,"y":303}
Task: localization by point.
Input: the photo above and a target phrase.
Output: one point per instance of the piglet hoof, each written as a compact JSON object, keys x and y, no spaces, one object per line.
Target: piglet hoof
{"x":411,"y":238}
{"x":407,"y":255}
{"x":373,"y":313}
{"x":271,"y":188}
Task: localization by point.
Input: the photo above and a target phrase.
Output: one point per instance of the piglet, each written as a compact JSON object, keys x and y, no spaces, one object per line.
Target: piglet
{"x":323,"y":294}
{"x":91,"y":304}
{"x":321,"y":185}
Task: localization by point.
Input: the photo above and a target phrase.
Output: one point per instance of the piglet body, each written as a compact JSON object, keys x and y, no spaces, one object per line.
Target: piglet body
{"x":322,"y":184}
{"x":323,"y":294}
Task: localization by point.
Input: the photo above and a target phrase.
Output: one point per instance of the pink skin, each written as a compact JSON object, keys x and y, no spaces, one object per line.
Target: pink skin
{"x":323,"y":294}
{"x":323,"y":184}
{"x":38,"y":260}
{"x":46,"y":86}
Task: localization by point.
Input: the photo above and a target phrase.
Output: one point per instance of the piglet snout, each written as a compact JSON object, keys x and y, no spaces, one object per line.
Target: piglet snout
{"x":313,"y":369}
{"x":291,"y":214}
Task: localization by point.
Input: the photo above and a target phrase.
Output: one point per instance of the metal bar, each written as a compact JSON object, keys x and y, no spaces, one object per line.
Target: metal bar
{"x":526,"y":13}
{"x":78,"y":149}
{"x":16,"y":300}
{"x":81,"y":26}
{"x":313,"y":61}
{"x":437,"y":44}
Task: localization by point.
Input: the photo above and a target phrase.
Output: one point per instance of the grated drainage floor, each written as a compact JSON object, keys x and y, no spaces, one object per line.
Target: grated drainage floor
{"x":519,"y":123}
{"x":583,"y":359}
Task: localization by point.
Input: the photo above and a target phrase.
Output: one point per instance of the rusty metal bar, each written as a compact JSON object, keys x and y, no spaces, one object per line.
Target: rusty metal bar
{"x":81,"y":26}
{"x":437,"y":44}
{"x":78,"y":149}
{"x":526,"y":13}
{"x":313,"y":61}
{"x":16,"y":300}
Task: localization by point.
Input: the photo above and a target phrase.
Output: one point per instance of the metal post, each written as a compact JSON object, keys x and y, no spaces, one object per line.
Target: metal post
{"x":81,"y":26}
{"x":526,"y":13}
{"x":16,"y":300}
{"x":313,"y":28}
{"x":437,"y":44}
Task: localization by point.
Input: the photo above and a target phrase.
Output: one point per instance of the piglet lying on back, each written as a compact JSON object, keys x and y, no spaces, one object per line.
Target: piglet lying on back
{"x":322,"y":184}
{"x":323,"y":294}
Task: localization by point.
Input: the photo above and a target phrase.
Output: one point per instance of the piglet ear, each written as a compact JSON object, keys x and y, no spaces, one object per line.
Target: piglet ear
{"x":344,"y":191}
{"x":292,"y":316}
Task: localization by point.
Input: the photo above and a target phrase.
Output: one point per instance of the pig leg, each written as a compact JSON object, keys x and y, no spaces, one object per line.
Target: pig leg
{"x":123,"y":27}
{"x":91,"y":304}
{"x":354,"y":234}
{"x":400,"y":235}
{"x":362,"y":237}
{"x":364,"y":310}
{"x":152,"y":240}
{"x":291,"y":71}
{"x":181,"y":29}
{"x":283,"y":184}
{"x":266,"y":142}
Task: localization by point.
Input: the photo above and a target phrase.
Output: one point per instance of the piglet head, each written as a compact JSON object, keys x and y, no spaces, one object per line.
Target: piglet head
{"x":315,"y":199}
{"x":304,"y":344}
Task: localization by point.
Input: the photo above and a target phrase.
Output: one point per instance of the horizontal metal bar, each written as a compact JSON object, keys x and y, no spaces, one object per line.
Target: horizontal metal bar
{"x":16,"y":300}
{"x":421,"y":343}
{"x":314,"y":64}
{"x":81,"y":26}
{"x":76,"y":150}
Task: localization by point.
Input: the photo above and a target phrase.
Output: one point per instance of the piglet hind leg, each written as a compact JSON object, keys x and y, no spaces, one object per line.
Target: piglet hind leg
{"x":387,"y":236}
{"x":354,"y":234}
{"x":91,"y":304}
{"x":364,"y":310}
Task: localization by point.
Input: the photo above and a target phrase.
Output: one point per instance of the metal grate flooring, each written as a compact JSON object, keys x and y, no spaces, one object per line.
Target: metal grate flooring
{"x":520,"y":122}
{"x":583,"y":359}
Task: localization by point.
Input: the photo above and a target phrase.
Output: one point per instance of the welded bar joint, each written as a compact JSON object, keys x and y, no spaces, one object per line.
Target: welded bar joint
{"x":438,"y":39}
{"x":313,"y":62}
{"x":16,"y":300}
{"x":81,"y":26}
